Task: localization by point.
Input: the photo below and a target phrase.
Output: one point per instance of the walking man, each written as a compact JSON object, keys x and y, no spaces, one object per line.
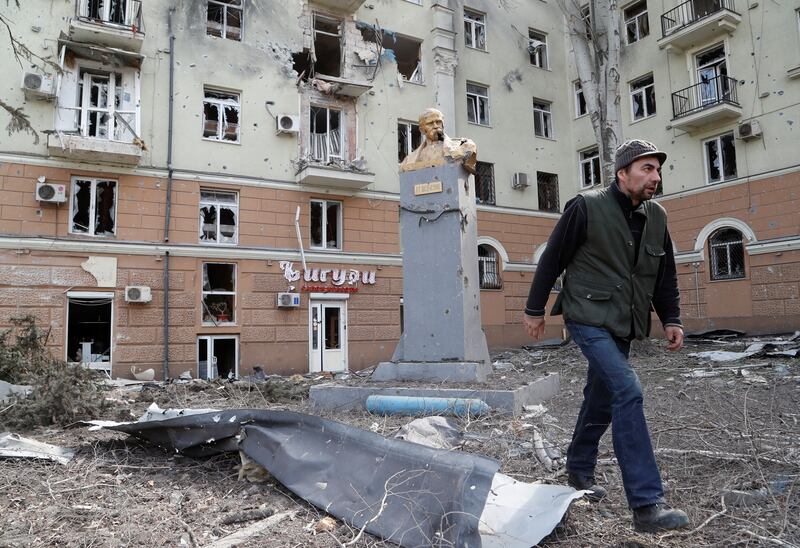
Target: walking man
{"x":618,"y":257}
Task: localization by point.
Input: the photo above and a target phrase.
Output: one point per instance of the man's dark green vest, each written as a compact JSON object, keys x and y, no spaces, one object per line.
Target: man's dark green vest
{"x":602,"y":286}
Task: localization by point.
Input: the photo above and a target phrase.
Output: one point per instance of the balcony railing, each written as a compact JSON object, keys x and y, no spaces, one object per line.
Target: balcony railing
{"x":714,"y":91}
{"x":690,"y":12}
{"x":123,"y":13}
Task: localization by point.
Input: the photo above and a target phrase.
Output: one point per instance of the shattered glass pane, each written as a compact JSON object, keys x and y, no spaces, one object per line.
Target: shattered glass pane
{"x":123,"y":123}
{"x":219,"y":277}
{"x":215,"y":19}
{"x":227,"y":225}
{"x":81,"y":200}
{"x":316,"y":224}
{"x":728,"y":156}
{"x":105,"y":205}
{"x":480,"y":37}
{"x":218,"y":308}
{"x":233,"y":24}
{"x":712,"y":161}
{"x":332,"y":226}
{"x":483,"y":111}
{"x":208,"y":223}
{"x":210,"y":120}
{"x":402,"y":142}
{"x":472,"y":108}
{"x":587,"y":174}
{"x":632,"y":29}
{"x":650,"y":100}
{"x":231,"y":115}
{"x":638,"y":106}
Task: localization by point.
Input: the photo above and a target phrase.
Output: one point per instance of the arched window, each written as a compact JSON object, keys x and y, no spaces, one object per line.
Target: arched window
{"x":489,"y":267}
{"x":726,"y":249}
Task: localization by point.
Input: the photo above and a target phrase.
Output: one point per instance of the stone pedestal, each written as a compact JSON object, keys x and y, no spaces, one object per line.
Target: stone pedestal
{"x":442,"y":339}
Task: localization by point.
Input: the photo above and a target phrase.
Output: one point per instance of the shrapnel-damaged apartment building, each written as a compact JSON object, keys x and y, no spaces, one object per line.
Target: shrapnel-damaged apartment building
{"x":187,"y":147}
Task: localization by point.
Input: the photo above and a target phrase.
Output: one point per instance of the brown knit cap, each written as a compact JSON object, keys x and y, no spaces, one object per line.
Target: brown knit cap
{"x":632,"y":149}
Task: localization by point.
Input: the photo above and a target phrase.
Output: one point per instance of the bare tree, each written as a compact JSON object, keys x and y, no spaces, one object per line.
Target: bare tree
{"x":595,"y":36}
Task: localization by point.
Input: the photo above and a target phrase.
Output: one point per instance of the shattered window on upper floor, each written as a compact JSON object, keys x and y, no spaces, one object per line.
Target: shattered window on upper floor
{"x":327,"y":46}
{"x":474,"y":29}
{"x":326,"y":224}
{"x":219,"y":217}
{"x":93,"y":207}
{"x":221,"y":116}
{"x":224,"y":19}
{"x":408,"y":139}
{"x":407,"y":54}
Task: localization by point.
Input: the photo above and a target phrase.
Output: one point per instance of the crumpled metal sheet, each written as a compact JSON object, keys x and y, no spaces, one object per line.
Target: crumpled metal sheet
{"x":400,"y":491}
{"x":15,"y":446}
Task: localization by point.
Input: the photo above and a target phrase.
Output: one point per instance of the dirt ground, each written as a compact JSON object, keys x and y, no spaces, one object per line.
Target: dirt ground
{"x":736,"y":429}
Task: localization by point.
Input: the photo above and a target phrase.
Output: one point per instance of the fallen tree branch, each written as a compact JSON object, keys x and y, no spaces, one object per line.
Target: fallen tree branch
{"x":716,"y":455}
{"x":777,"y":542}
{"x":243,"y":534}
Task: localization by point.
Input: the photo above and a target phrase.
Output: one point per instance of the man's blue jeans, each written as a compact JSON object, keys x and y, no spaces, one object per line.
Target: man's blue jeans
{"x":613,"y":395}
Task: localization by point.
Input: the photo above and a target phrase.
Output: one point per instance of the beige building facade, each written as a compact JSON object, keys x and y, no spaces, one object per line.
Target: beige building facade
{"x":231,"y":166}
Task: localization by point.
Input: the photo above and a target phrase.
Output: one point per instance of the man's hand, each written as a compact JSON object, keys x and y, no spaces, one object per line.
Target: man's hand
{"x":674,"y":336}
{"x":534,"y":326}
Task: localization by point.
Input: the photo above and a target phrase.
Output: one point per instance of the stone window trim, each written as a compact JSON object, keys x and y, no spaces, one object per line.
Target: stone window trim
{"x":726,"y":254}
{"x":543,"y":119}
{"x":581,"y":109}
{"x":643,"y":98}
{"x":93,"y":207}
{"x":478,"y":111}
{"x":218,"y":293}
{"x":489,"y":267}
{"x":326,"y":228}
{"x":589,"y":167}
{"x":719,"y":158}
{"x":474,"y":29}
{"x":539,"y":54}
{"x":637,"y":24}
{"x":221,"y":115}
{"x":219,"y":217}
{"x":224,"y":19}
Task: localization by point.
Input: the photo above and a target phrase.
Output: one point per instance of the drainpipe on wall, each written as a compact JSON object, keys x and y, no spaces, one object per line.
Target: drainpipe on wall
{"x":169,"y":189}
{"x":696,"y":267}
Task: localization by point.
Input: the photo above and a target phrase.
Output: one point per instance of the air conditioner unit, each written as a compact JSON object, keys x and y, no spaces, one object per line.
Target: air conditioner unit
{"x":138,"y":294}
{"x":288,"y":123}
{"x":519,"y":181}
{"x":749,"y":130}
{"x":39,"y":86}
{"x":51,"y":192}
{"x":288,"y":300}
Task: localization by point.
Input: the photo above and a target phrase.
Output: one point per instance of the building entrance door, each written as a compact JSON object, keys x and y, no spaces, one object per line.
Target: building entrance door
{"x":327,"y":330}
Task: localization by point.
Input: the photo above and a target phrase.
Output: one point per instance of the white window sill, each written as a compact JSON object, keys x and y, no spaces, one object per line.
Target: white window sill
{"x":579,"y":116}
{"x":218,"y":324}
{"x":473,"y":48}
{"x":331,"y":249}
{"x":86,"y":235}
{"x":479,"y":124}
{"x":221,"y":244}
{"x":545,"y":138}
{"x":209,"y":139}
{"x":643,"y":119}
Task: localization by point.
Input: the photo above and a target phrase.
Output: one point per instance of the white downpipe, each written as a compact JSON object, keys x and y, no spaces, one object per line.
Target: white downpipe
{"x":299,"y":238}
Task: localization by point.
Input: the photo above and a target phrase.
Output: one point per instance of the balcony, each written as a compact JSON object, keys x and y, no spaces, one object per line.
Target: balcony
{"x":115,"y":23}
{"x":697,"y":22}
{"x":334,"y":177}
{"x":88,"y":149}
{"x":706,"y":104}
{"x":342,"y":6}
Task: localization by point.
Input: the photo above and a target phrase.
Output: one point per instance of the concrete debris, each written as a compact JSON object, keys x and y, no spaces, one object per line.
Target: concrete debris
{"x":777,"y":347}
{"x":15,"y":446}
{"x":534,"y":411}
{"x":146,"y":375}
{"x":503,"y":366}
{"x":8,"y":391}
{"x":186,"y":376}
{"x":437,"y":432}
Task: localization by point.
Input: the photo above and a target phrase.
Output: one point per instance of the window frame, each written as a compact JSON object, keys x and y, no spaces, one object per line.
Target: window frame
{"x":221,"y":122}
{"x":477,"y":98}
{"x":579,"y":97}
{"x":342,"y":149}
{"x":492,"y":194}
{"x":219,"y":205}
{"x":546,"y":116}
{"x":542,"y":53}
{"x":596,"y":170}
{"x":92,"y":206}
{"x":636,"y":19}
{"x":707,"y":166}
{"x":714,"y":275}
{"x":223,"y":29}
{"x":409,"y":136}
{"x":643,"y":91}
{"x":496,"y":269}
{"x":324,"y":224}
{"x":479,"y":20}
{"x":539,"y":185}
{"x":234,"y":314}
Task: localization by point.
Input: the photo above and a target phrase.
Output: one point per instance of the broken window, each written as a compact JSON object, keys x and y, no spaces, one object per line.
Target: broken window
{"x":547,"y":185}
{"x":586,"y":15}
{"x":221,"y":116}
{"x":637,"y":26}
{"x":643,"y":98}
{"x":489,"y":268}
{"x":327,"y":45}
{"x":326,"y":224}
{"x":108,"y":11}
{"x":590,"y":167}
{"x":408,"y":139}
{"x":726,"y":249}
{"x":93,"y":207}
{"x":89,"y":329}
{"x":537,"y":48}
{"x":542,"y":119}
{"x":484,"y":183}
{"x":224,"y":19}
{"x":219,"y":293}
{"x":325,"y":143}
{"x":219,"y":216}
{"x":720,"y":156}
{"x":478,"y":104}
{"x":100,"y":96}
{"x":474,"y":29}
{"x":580,"y":101}
{"x":217,"y":357}
{"x":407,"y":54}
